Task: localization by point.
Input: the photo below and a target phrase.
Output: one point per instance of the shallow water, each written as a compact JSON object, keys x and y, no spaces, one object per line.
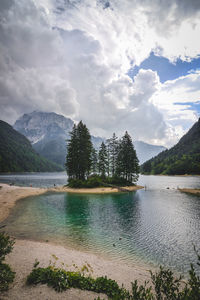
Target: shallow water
{"x":158,"y":225}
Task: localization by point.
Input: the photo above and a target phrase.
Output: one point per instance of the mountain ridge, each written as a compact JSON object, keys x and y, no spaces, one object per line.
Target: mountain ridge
{"x":17,"y":154}
{"x":183,"y":158}
{"x":48,"y":133}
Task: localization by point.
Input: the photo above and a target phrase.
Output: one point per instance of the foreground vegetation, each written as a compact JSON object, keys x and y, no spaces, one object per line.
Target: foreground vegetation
{"x":6,"y":274}
{"x":165,"y":285}
{"x":116,"y":161}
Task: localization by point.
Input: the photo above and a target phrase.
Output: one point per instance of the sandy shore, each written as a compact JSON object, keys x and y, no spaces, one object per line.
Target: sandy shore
{"x":25,"y":252}
{"x":101,"y":190}
{"x":10,"y":194}
{"x":191,"y":191}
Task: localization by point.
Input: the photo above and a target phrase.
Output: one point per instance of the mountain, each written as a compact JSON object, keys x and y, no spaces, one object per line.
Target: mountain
{"x":183,"y":158}
{"x":48,"y":133}
{"x":146,"y":151}
{"x":17,"y":154}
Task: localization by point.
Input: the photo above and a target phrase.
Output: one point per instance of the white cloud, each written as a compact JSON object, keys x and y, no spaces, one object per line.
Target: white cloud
{"x":170,"y":101}
{"x":75,"y":62}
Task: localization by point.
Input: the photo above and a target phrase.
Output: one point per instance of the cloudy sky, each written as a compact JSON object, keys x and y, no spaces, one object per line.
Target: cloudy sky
{"x":117,"y":65}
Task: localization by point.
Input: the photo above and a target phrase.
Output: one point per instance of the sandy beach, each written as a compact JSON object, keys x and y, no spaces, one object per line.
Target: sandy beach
{"x":10,"y":194}
{"x":25,"y":252}
{"x":191,"y":191}
{"x":100,"y":190}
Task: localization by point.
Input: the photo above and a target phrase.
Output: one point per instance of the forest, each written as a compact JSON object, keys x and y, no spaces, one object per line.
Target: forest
{"x":183,"y":158}
{"x":17,"y":154}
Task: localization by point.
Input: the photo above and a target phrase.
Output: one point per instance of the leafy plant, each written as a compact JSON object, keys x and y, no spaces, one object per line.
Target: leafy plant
{"x":6,"y":277}
{"x":6,"y":274}
{"x":6,"y":245}
{"x":165,"y":285}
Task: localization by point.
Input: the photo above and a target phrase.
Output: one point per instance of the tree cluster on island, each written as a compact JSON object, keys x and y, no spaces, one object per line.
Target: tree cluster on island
{"x":115,"y":163}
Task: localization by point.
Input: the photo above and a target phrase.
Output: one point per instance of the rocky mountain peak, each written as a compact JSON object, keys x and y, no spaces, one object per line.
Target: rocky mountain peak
{"x":38,"y":125}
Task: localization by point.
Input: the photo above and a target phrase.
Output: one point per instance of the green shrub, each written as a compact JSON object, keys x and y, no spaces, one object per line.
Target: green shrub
{"x":62,"y":280}
{"x":98,"y":181}
{"x":6,"y":274}
{"x":165,"y":285}
{"x":6,"y":245}
{"x":6,"y":277}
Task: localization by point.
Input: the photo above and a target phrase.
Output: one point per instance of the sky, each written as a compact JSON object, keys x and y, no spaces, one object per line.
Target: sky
{"x":117,"y":65}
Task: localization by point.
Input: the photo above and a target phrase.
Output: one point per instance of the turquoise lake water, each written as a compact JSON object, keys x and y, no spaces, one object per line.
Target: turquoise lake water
{"x":158,"y":225}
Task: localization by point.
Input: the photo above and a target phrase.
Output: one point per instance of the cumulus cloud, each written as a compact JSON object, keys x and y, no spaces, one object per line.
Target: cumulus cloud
{"x":170,"y":101}
{"x":72,"y":57}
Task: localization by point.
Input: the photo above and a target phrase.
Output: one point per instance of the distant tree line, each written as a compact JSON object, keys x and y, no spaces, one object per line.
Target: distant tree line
{"x":18,"y":155}
{"x":173,"y":165}
{"x":116,"y":158}
{"x":183,"y":158}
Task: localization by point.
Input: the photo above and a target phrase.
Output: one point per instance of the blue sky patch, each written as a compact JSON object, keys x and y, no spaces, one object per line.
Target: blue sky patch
{"x":192,"y":106}
{"x":165,"y":69}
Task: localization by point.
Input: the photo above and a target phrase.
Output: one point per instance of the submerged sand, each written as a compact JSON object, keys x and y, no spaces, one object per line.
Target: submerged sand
{"x":25,"y":252}
{"x":10,"y":194}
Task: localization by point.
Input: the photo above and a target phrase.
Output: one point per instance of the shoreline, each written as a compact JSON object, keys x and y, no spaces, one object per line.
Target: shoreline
{"x":98,"y":190}
{"x":9,"y":195}
{"x":190,"y":191}
{"x":25,"y":252}
{"x":23,"y":256}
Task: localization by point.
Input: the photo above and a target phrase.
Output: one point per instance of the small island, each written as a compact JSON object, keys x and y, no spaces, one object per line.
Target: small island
{"x":114,"y":168}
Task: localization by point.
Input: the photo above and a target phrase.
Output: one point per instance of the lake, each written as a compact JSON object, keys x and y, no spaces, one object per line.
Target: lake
{"x":156,"y":225}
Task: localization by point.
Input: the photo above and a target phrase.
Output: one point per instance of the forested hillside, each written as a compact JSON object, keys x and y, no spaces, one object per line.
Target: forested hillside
{"x":17,"y":154}
{"x":183,"y":158}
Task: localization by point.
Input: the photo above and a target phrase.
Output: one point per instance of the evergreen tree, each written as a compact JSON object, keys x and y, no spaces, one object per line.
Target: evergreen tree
{"x":79,"y":148}
{"x":113,"y":153}
{"x":103,"y":160}
{"x":72,"y":154}
{"x":108,"y":149}
{"x":94,"y":161}
{"x":127,"y":161}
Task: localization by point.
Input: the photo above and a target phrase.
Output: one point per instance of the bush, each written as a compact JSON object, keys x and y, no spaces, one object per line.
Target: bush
{"x":165,"y":285}
{"x":62,"y":280}
{"x":6,"y":274}
{"x":6,"y":277}
{"x":6,"y":245}
{"x":98,"y":181}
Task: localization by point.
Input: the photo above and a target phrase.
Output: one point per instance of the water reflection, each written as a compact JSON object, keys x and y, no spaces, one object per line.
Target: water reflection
{"x":77,"y":216}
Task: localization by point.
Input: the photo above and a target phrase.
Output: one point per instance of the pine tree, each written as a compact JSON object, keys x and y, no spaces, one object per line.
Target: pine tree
{"x":72,"y":153}
{"x":94,"y":161}
{"x":108,"y":149}
{"x":84,"y":151}
{"x":113,"y":153}
{"x":79,"y":148}
{"x":103,"y":160}
{"x":127,"y":161}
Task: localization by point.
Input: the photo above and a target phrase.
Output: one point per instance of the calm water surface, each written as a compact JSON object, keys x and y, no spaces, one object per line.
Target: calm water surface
{"x":158,"y":225}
